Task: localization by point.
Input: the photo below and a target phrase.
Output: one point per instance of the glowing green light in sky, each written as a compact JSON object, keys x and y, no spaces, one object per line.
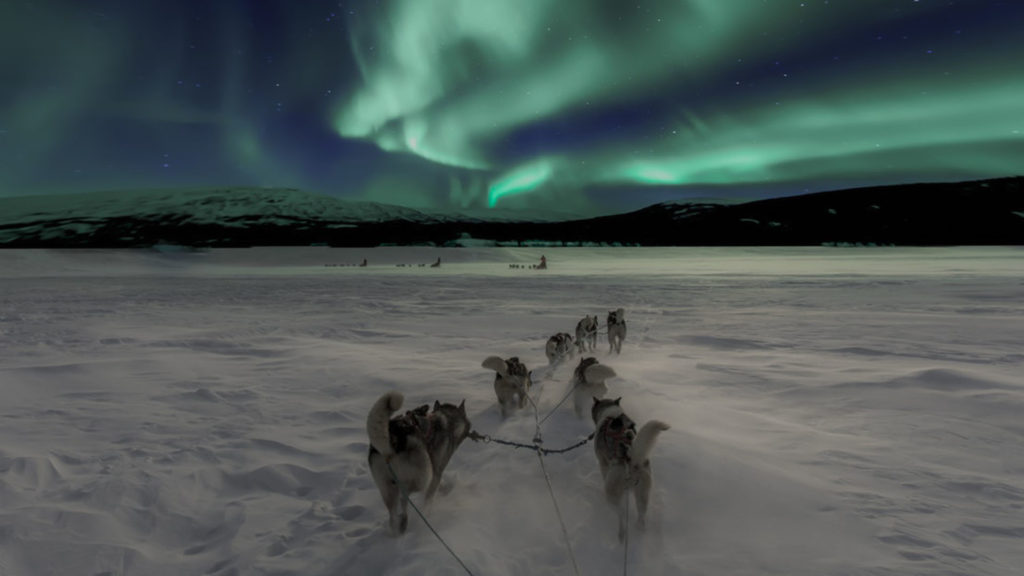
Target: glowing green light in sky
{"x":898,"y":128}
{"x":522,"y":179}
{"x":896,"y":131}
{"x":457,"y":72}
{"x":659,"y":93}
{"x":445,"y":79}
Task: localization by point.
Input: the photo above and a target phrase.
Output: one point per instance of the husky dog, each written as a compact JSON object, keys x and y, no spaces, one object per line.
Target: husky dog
{"x":409,"y":453}
{"x":586,"y":334}
{"x":512,"y":382}
{"x":624,"y":457}
{"x":588,"y":382}
{"x":558,"y":347}
{"x":616,"y":330}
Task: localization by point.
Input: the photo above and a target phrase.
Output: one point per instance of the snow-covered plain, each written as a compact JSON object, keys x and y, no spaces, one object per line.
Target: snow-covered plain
{"x":833,"y":410}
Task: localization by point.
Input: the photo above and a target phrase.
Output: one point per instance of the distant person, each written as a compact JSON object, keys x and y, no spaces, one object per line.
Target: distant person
{"x":363,"y":263}
{"x":436,"y":264}
{"x":543,"y":263}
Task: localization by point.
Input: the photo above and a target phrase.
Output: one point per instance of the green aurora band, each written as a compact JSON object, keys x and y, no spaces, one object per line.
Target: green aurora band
{"x":507,"y":104}
{"x":446,"y":80}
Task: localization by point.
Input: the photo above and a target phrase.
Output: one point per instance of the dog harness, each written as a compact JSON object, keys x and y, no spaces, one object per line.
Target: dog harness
{"x":617,"y":437}
{"x":514,"y":367}
{"x":410,"y":423}
{"x":426,"y":428}
{"x":580,"y":373}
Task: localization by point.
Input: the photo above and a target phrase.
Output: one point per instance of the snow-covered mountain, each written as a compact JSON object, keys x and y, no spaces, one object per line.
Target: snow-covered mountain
{"x":201,"y":216}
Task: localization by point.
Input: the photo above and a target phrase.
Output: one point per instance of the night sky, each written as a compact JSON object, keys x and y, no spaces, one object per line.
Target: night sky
{"x":575,"y":106}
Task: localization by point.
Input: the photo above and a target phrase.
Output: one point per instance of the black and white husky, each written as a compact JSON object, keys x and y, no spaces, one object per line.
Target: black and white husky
{"x":624,"y":457}
{"x":586,"y":334}
{"x":409,"y":453}
{"x":512,"y":382}
{"x":588,"y":382}
{"x":558,"y":348}
{"x":616,"y":330}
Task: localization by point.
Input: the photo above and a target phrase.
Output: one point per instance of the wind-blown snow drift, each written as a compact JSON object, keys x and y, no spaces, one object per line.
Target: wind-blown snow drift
{"x":833,"y":411}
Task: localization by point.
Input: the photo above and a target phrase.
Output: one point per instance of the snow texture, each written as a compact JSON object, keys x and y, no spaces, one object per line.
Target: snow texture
{"x":832,"y":410}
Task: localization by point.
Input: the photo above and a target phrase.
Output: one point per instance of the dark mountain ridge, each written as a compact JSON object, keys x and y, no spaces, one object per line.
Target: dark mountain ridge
{"x":983,"y":212}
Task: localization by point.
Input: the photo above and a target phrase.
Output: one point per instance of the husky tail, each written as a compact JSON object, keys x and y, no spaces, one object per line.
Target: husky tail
{"x":378,"y":418}
{"x":497,"y":364}
{"x":645,"y":438}
{"x":598,"y":373}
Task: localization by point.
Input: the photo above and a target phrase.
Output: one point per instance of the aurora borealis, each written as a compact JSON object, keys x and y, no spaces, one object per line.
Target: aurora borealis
{"x":578,"y":106}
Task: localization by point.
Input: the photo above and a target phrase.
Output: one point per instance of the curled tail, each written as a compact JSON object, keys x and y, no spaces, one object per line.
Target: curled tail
{"x":497,"y":364}
{"x":641,"y":449}
{"x":378,"y":418}
{"x":598,"y":373}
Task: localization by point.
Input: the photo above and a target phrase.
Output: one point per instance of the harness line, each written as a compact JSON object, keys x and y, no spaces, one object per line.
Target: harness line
{"x":625,"y":541}
{"x":405,"y":495}
{"x":547,"y":479}
{"x":560,"y":402}
{"x":558,"y":512}
{"x":487,"y":439}
{"x":541,"y":452}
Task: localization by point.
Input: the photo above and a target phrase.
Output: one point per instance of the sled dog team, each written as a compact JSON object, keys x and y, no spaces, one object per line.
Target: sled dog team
{"x":408,"y":453}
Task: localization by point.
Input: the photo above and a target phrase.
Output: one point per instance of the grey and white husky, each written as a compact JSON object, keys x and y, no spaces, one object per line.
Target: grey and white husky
{"x":588,"y":382}
{"x":586,"y":334}
{"x":512,"y":382}
{"x":409,"y":453}
{"x":558,"y":348}
{"x":616,"y":330}
{"x":624,"y":457}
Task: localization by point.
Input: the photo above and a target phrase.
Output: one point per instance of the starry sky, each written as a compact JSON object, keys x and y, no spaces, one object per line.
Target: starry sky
{"x":570,"y":106}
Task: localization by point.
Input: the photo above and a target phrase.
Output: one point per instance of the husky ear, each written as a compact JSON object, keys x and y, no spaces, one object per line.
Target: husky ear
{"x":462,"y":407}
{"x":617,"y":400}
{"x":595,"y":400}
{"x":437,"y":405}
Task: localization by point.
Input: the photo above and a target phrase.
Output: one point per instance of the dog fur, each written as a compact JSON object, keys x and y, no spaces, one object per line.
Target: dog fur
{"x":616,"y":330}
{"x":588,"y":382}
{"x":409,"y":453}
{"x":623,"y":454}
{"x":586,"y":334}
{"x":558,"y":348}
{"x":512,"y":382}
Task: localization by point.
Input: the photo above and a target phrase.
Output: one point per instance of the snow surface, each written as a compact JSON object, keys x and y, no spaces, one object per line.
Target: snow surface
{"x":833,"y":410}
